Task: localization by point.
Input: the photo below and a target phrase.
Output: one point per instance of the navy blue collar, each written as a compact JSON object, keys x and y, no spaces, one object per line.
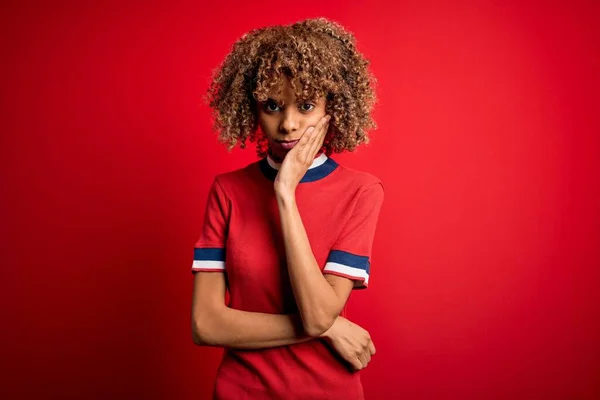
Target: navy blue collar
{"x":322,"y":166}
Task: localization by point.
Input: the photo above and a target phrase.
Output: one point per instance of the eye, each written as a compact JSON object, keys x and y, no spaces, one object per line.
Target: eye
{"x":271,"y":106}
{"x":306,"y":106}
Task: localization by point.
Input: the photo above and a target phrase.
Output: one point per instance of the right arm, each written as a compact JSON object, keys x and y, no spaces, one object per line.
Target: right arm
{"x":215,"y":324}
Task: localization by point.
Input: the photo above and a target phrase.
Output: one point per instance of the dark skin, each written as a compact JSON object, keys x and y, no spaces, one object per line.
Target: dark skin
{"x":290,"y":122}
{"x":320,"y":297}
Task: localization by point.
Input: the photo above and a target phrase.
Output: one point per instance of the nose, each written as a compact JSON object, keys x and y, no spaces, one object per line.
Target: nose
{"x":289,"y":122}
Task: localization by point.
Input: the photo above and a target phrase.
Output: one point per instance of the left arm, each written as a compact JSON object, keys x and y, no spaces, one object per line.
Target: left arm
{"x":320,"y":298}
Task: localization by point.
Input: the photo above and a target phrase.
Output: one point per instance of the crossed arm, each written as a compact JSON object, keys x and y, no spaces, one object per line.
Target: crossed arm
{"x":320,"y":299}
{"x":216,"y":324}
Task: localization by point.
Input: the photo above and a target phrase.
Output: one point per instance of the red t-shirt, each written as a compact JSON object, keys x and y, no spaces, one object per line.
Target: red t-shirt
{"x":241,"y":236}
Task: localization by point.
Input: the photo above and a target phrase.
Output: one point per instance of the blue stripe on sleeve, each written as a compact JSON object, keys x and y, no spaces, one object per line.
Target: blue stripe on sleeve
{"x":209,"y":254}
{"x":349,"y":259}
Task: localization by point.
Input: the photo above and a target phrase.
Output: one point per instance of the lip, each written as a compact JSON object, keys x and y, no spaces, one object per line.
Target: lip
{"x":287,"y":144}
{"x":286,"y":141}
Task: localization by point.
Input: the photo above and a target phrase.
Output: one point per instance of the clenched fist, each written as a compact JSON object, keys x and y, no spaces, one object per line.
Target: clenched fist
{"x":351,"y":342}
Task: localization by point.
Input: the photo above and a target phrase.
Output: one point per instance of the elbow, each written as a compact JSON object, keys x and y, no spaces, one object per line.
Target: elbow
{"x":317,"y":326}
{"x":202,"y":332}
{"x":314,"y":330}
{"x":199,"y":338}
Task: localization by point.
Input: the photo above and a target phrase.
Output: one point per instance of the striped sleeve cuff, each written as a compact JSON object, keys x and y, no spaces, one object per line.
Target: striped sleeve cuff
{"x":350,"y":266}
{"x":209,"y":259}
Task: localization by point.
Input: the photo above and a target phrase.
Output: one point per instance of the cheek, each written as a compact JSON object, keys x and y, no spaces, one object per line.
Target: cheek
{"x":315,"y":118}
{"x":319,"y":113}
{"x":261,"y":120}
{"x":267,"y":125}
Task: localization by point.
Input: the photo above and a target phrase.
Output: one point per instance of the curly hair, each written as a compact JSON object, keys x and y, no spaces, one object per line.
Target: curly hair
{"x":321,"y":55}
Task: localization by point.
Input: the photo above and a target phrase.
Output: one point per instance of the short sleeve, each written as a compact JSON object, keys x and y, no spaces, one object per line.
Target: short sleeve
{"x":350,"y":256}
{"x":209,"y":249}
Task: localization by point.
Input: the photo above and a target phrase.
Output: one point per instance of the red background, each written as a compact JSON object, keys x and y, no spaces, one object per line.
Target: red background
{"x":485,"y":275}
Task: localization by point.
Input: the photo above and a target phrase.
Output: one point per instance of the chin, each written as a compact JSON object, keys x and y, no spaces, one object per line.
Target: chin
{"x":277,"y":157}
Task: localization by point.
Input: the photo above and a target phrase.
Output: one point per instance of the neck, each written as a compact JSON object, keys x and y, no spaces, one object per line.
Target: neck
{"x":319,"y":159}
{"x":280,"y":160}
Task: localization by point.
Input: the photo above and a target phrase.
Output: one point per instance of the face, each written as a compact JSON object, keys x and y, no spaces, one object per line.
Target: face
{"x":288,"y":122}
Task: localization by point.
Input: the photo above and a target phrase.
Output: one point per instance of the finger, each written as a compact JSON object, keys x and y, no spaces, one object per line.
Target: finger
{"x":368,"y":356}
{"x":363,"y":359}
{"x":304,"y":139}
{"x":322,"y":134}
{"x":307,"y":135}
{"x":323,"y":126}
{"x":318,"y":138}
{"x":356,"y":364}
{"x":372,"y":347}
{"x":315,"y":146}
{"x":309,"y":147}
{"x":319,"y":128}
{"x":305,"y":146}
{"x":312,"y":139}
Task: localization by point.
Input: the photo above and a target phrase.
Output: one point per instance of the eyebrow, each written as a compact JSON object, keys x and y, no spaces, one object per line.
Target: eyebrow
{"x":283,"y":102}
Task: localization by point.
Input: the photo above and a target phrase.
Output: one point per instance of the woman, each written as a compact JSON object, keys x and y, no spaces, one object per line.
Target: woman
{"x":288,"y":236}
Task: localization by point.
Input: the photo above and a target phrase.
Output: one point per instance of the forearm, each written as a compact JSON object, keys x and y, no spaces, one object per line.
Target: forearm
{"x":228,"y":327}
{"x":315,"y":297}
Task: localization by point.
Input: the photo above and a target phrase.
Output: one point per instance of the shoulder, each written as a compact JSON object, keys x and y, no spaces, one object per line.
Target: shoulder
{"x":230,"y":181}
{"x":360,"y":180}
